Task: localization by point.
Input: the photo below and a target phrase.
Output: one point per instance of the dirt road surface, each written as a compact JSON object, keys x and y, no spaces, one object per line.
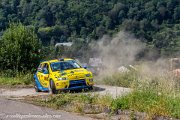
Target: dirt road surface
{"x":15,"y":110}
{"x":98,"y":89}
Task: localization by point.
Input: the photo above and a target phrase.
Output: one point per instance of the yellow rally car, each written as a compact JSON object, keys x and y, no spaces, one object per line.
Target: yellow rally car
{"x":63,"y":74}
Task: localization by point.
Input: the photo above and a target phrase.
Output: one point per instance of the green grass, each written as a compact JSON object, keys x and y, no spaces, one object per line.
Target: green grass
{"x":154,"y":94}
{"x":148,"y":101}
{"x":151,"y":102}
{"x":19,"y":79}
{"x":81,"y":103}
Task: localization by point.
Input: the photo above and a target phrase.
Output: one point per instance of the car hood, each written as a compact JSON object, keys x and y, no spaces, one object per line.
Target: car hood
{"x":74,"y":74}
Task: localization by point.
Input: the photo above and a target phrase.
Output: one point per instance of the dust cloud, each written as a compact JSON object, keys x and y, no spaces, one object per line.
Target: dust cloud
{"x":114,"y":52}
{"x":120,"y":51}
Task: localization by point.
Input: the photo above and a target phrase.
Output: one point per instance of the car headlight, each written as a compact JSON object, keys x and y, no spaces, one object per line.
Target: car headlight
{"x":88,"y":75}
{"x":63,"y":78}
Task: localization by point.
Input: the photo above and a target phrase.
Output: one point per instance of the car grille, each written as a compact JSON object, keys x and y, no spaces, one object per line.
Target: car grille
{"x":75,"y":83}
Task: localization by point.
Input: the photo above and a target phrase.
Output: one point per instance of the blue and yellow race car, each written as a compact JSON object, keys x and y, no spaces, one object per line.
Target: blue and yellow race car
{"x":64,"y":74}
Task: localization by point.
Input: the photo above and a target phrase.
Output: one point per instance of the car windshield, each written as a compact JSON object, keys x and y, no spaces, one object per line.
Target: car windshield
{"x":64,"y":65}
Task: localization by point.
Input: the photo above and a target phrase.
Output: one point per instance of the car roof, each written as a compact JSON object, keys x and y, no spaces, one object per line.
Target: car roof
{"x":57,"y":60}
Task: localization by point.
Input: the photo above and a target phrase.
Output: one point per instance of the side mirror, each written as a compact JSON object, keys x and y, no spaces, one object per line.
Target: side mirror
{"x":84,"y":66}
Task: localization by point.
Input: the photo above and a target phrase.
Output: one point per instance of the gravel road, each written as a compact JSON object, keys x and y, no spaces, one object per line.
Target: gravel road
{"x":14,"y":110}
{"x":98,"y":89}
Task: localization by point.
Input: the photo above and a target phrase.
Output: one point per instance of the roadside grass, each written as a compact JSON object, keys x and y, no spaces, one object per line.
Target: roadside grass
{"x":15,"y":80}
{"x":157,"y":94}
{"x":80,"y":103}
{"x":147,"y":101}
{"x":150,"y":102}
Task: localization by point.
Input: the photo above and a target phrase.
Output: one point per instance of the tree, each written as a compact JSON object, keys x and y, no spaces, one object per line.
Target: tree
{"x":19,"y":48}
{"x":168,"y":40}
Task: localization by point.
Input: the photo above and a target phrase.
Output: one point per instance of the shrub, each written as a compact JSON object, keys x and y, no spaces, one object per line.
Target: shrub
{"x":19,"y":48}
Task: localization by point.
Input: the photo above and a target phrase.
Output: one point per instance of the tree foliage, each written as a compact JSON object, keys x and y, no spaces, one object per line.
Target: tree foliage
{"x":19,"y":47}
{"x":65,"y":20}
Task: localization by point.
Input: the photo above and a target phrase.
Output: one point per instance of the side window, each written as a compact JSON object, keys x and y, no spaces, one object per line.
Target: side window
{"x":45,"y":69}
{"x":40,"y":67}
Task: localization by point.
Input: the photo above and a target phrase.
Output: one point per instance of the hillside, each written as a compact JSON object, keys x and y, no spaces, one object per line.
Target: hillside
{"x":155,"y":22}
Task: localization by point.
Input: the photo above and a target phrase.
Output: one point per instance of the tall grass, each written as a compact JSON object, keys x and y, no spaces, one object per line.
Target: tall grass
{"x":15,"y":78}
{"x":151,"y":102}
{"x":148,"y":101}
{"x":156,"y":92}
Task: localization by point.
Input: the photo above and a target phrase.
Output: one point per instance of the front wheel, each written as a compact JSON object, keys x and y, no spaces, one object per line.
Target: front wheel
{"x":91,"y":88}
{"x":52,"y":88}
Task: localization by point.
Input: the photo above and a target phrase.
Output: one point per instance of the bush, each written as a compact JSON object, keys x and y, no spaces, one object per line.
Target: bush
{"x":19,"y":48}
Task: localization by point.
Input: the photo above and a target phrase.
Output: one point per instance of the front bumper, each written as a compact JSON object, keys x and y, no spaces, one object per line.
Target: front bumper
{"x":76,"y":88}
{"x":74,"y":84}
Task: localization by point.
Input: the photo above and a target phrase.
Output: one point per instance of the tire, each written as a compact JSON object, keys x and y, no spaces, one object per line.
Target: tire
{"x":36,"y":87}
{"x":52,"y":88}
{"x":91,"y":88}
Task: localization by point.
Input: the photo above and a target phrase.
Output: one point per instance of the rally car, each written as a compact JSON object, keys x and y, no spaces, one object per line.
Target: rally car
{"x":64,"y":74}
